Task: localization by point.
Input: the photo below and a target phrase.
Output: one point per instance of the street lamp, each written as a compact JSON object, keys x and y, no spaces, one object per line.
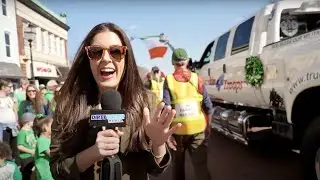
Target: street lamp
{"x":30,"y":26}
{"x":31,"y":59}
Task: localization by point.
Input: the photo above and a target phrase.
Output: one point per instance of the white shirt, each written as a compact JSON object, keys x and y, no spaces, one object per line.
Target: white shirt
{"x":8,"y":116}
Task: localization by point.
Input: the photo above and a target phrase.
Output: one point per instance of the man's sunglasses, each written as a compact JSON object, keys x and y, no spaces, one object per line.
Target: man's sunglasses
{"x":96,"y":53}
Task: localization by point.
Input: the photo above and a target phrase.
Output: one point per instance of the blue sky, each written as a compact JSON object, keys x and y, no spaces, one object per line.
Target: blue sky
{"x":188,"y":24}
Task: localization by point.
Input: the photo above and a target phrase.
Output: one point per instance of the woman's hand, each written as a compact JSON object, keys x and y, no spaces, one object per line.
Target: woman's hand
{"x":107,"y":142}
{"x":157,"y":125}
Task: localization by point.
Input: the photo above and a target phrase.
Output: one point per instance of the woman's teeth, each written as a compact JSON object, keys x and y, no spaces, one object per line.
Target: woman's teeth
{"x":107,"y":71}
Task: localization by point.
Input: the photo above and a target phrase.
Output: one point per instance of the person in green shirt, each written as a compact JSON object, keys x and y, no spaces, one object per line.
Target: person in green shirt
{"x":20,"y":94}
{"x":51,"y":87}
{"x":26,"y":142}
{"x":42,"y":128}
{"x":8,"y":169}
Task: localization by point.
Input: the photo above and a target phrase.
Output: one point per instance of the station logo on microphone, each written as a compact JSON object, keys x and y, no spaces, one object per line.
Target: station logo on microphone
{"x":111,"y":118}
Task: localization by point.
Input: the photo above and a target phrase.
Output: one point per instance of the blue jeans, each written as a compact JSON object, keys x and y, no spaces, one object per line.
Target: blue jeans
{"x":12,"y":126}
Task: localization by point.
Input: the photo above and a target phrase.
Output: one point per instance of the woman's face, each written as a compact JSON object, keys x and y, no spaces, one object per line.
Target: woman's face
{"x":107,"y":60}
{"x":31,"y":92}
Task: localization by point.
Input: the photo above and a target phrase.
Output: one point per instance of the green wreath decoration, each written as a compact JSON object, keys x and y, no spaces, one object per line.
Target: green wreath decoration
{"x":254,"y":73}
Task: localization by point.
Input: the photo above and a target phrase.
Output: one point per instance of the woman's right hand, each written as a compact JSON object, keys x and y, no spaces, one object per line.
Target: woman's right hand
{"x":108,"y":142}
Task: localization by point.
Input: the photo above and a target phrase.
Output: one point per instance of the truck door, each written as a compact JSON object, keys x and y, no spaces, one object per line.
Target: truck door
{"x":237,"y":52}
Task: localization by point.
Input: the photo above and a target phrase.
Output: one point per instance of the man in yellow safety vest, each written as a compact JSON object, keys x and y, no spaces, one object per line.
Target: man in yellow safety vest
{"x":155,"y":83}
{"x":185,"y":92}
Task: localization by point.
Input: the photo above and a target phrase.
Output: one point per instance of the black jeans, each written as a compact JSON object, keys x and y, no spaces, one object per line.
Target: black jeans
{"x":12,"y":141}
{"x":26,"y":168}
{"x":197,"y":146}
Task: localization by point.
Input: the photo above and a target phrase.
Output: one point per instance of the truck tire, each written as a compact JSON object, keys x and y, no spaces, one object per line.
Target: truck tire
{"x":310,"y":149}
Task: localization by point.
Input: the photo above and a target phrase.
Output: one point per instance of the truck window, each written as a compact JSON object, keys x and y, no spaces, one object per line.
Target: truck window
{"x":207,"y":54}
{"x":242,"y":36}
{"x":297,"y":23}
{"x":221,"y":47}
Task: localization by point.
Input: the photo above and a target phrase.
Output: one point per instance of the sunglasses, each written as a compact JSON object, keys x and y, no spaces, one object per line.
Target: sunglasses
{"x":31,"y":91}
{"x":96,"y":53}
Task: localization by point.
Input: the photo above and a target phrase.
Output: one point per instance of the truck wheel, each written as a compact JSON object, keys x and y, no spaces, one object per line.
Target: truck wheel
{"x":310,"y":150}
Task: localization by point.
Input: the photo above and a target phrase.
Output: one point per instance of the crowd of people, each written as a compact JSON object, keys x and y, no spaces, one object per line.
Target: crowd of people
{"x":25,"y":129}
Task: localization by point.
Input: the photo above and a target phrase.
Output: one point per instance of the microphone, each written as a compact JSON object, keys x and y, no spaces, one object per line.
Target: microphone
{"x":110,"y":117}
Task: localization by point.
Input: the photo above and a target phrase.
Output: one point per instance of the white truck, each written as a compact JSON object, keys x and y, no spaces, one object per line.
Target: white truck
{"x":263,"y":76}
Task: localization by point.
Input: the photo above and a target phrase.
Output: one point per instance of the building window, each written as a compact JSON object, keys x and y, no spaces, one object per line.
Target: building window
{"x":4,"y":7}
{"x":54,"y":51}
{"x":43,"y":41}
{"x":62,"y":52}
{"x":7,"y":41}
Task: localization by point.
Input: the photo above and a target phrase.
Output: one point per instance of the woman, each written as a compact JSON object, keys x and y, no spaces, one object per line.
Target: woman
{"x":105,"y":62}
{"x":34,"y":102}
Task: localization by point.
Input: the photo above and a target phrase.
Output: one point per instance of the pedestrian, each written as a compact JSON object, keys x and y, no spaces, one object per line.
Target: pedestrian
{"x":51,"y":87}
{"x":8,"y":118}
{"x":8,"y":168}
{"x":26,"y":143}
{"x":20,"y":93}
{"x":34,"y":102}
{"x":42,"y":89}
{"x":104,"y":62}
{"x":155,"y":83}
{"x":185,"y":92}
{"x":42,"y":129}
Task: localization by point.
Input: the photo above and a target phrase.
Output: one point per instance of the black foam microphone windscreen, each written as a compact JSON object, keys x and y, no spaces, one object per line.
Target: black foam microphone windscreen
{"x":111,"y":100}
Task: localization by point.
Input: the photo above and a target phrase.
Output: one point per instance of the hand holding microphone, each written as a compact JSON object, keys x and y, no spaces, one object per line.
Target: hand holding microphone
{"x":108,"y":142}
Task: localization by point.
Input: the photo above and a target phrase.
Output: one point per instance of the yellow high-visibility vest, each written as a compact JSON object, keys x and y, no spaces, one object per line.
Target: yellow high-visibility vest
{"x":157,"y":89}
{"x":186,"y":100}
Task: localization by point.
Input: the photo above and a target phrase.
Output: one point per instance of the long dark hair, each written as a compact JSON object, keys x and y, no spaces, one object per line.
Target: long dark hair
{"x":37,"y":103}
{"x":80,"y":92}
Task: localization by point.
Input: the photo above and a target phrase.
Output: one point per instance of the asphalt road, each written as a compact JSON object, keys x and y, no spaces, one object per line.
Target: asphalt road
{"x":229,"y":160}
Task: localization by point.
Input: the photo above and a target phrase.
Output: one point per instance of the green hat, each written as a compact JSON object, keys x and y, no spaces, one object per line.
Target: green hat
{"x":179,"y":54}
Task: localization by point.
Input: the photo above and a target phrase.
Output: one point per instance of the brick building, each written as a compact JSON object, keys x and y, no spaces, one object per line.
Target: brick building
{"x":47,"y":32}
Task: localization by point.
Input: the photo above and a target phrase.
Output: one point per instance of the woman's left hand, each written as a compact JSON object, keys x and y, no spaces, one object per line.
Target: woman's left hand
{"x":157,"y":125}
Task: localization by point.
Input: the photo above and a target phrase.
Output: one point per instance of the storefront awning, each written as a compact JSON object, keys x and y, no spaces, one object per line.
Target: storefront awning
{"x":63,"y":72}
{"x":10,"y":70}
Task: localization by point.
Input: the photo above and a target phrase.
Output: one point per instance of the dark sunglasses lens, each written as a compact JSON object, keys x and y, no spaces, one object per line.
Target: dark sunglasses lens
{"x":116,"y":52}
{"x":31,"y":91}
{"x":95,"y":53}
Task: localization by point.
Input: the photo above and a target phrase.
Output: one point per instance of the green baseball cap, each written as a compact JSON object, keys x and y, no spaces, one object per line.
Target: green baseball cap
{"x":179,"y":54}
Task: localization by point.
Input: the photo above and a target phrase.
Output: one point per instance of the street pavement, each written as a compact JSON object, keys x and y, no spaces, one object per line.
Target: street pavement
{"x":229,"y":160}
